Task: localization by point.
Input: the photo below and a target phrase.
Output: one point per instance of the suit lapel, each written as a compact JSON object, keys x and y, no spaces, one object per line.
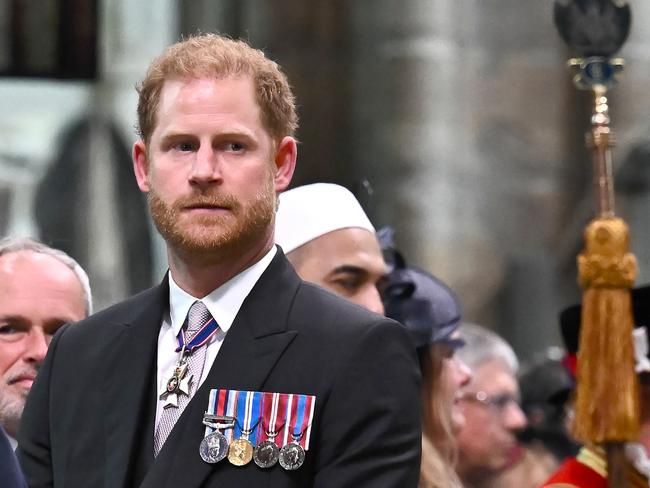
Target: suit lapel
{"x":253,"y":345}
{"x":130,"y":373}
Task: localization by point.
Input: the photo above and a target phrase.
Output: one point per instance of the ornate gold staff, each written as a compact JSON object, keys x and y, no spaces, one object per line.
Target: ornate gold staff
{"x":606,"y":404}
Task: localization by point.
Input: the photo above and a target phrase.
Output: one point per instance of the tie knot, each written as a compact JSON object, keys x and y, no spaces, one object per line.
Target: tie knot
{"x":197,"y":317}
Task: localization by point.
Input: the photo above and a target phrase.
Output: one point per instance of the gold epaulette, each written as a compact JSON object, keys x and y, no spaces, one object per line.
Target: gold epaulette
{"x":594,"y":458}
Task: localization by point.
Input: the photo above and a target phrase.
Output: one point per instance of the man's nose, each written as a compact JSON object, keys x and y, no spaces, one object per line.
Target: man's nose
{"x":514,"y":418}
{"x":464,"y":371}
{"x":36,"y":344}
{"x":206,"y":167}
{"x":370,"y":298}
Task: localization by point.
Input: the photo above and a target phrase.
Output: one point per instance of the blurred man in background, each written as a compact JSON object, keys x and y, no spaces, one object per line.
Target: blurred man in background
{"x":330,"y":241}
{"x":545,"y":386}
{"x":40,"y":290}
{"x":487,"y":442}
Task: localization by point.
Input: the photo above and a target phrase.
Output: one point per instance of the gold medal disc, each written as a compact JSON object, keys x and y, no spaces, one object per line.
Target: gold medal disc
{"x":240,"y":452}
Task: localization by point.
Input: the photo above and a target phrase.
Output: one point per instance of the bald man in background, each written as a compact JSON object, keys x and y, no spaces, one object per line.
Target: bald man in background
{"x":41,"y":289}
{"x":330,"y":241}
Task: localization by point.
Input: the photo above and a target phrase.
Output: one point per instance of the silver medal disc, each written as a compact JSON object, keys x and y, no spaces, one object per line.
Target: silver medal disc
{"x":214,"y":447}
{"x":292,"y":456}
{"x":266,"y":454}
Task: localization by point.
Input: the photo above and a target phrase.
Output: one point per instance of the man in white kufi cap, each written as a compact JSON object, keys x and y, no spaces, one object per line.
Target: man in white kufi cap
{"x":330,"y":241}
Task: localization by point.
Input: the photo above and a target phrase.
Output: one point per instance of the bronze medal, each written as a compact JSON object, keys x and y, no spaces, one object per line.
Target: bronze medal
{"x":240,"y":452}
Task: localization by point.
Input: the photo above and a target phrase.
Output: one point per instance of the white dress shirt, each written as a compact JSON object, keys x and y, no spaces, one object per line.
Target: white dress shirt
{"x":223,"y":303}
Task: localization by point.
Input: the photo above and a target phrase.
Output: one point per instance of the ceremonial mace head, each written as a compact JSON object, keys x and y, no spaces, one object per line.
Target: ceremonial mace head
{"x":595,"y":30}
{"x":606,"y":405}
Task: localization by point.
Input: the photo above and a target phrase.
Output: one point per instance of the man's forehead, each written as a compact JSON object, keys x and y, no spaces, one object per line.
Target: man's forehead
{"x":494,"y":377}
{"x":37,"y":262}
{"x":198,"y":90}
{"x":349,"y":247}
{"x":216,"y":103}
{"x":29,"y":275}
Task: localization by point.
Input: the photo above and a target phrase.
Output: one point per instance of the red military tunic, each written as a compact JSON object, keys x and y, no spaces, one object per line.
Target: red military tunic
{"x":589,"y":470}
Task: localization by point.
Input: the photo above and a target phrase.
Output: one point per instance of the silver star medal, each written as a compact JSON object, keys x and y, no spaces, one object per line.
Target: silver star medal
{"x":179,"y":384}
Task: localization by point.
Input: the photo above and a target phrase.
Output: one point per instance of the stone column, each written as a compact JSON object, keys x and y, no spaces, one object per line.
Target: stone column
{"x":458,"y":119}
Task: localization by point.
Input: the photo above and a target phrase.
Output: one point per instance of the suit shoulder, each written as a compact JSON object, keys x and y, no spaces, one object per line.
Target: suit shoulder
{"x":338,"y":315}
{"x":316,"y":298}
{"x":123,"y":312}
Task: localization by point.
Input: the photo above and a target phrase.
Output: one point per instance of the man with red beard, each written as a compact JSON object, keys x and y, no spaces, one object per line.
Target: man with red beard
{"x":233,"y":358}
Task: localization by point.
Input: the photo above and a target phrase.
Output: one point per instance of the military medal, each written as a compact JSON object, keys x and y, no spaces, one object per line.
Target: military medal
{"x":214,"y":446}
{"x":240,"y":451}
{"x":232,"y":421}
{"x":292,"y":456}
{"x":267,"y":452}
{"x":300,"y":414}
{"x":180,"y":383}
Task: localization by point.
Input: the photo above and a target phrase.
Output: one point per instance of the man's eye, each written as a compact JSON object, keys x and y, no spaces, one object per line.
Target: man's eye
{"x":50,"y":329}
{"x":505,"y":399}
{"x":185,"y":146}
{"x":234,"y":147}
{"x":10,"y":333}
{"x":348,"y":284}
{"x":382,"y":286}
{"x":448,"y":353}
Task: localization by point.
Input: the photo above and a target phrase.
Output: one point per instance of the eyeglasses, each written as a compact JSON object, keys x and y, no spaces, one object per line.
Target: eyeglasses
{"x":496,"y":403}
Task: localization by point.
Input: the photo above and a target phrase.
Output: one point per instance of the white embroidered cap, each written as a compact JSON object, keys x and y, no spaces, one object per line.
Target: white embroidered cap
{"x":310,"y":211}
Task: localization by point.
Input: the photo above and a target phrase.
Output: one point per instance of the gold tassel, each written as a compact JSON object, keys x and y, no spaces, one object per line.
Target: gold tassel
{"x":606,"y":405}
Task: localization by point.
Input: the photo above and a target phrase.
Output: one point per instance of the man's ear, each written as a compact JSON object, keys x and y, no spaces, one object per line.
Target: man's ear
{"x":141,"y":165}
{"x":285,"y":163}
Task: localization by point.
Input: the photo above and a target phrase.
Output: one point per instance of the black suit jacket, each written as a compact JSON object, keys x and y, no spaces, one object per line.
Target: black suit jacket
{"x":10,"y":474}
{"x":88,"y":421}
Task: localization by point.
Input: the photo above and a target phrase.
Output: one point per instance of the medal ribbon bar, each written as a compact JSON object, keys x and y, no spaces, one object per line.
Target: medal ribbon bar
{"x":299,"y":416}
{"x":248,"y":413}
{"x":271,"y":421}
{"x":201,"y":337}
{"x":222,"y":403}
{"x":288,"y":414}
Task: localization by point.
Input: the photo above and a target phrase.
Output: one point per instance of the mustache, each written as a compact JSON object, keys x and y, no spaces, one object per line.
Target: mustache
{"x":207,"y":200}
{"x":27,"y":371}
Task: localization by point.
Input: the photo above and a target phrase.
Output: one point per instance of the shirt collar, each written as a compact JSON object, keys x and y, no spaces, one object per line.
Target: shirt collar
{"x":224,"y":302}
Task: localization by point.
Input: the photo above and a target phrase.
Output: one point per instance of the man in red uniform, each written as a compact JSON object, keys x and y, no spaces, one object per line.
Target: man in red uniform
{"x":589,"y":468}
